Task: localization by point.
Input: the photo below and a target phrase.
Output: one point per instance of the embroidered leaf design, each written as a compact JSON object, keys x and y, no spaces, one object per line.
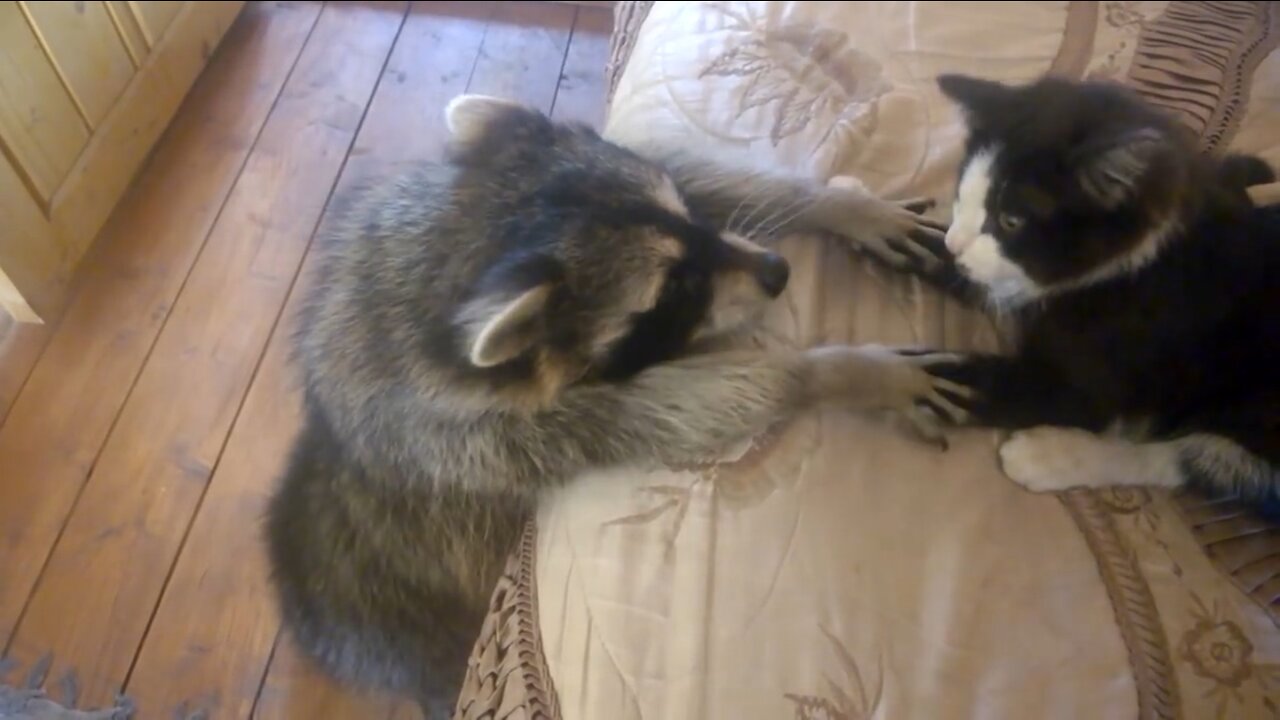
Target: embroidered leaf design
{"x":646,"y":516}
{"x":799,"y":113}
{"x":765,"y":87}
{"x":810,"y":707}
{"x":843,"y":701}
{"x":801,"y":71}
{"x":839,"y":702}
{"x":747,"y":59}
{"x":666,"y":490}
{"x":863,"y":707}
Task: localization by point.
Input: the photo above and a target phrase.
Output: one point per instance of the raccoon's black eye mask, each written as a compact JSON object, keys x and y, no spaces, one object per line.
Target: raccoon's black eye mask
{"x":663,"y":332}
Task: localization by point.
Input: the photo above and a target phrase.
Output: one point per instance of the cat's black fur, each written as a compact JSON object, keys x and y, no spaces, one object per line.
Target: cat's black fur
{"x":1183,"y":342}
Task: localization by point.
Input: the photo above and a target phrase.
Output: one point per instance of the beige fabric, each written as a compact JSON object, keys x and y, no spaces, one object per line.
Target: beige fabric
{"x":838,"y":570}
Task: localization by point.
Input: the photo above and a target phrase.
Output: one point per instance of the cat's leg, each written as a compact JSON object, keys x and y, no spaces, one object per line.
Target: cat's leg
{"x":1016,"y":393}
{"x":1050,"y":459}
{"x":759,"y":203}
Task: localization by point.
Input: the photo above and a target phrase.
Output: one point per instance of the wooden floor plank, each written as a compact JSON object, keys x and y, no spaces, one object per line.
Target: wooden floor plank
{"x":282,"y":697}
{"x":126,"y":528}
{"x":432,"y":63}
{"x":55,"y":429}
{"x":222,"y":581}
{"x":20,"y":348}
{"x":581,"y":94}
{"x":216,"y":665}
{"x":523,"y":52}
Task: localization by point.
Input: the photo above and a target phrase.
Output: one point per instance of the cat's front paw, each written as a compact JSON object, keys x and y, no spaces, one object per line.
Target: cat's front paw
{"x":1051,"y":459}
{"x":894,"y":233}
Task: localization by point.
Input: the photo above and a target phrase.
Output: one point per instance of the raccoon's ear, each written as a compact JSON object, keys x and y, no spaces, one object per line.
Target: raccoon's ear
{"x":1109,"y":170}
{"x":468,"y":116}
{"x":499,"y":329}
{"x":505,"y":318}
{"x":978,"y":98}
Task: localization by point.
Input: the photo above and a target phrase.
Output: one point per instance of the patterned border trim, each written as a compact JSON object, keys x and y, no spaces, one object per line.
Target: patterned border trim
{"x":1133,"y":604}
{"x":1197,"y":60}
{"x":627,"y":19}
{"x":507,"y":675}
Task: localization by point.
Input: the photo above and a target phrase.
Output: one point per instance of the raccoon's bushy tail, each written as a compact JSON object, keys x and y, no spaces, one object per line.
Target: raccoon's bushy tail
{"x":383,"y":584}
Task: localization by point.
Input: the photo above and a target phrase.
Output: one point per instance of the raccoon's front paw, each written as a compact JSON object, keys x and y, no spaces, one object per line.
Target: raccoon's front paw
{"x":898,"y":381}
{"x":895,"y":233}
{"x":929,"y":403}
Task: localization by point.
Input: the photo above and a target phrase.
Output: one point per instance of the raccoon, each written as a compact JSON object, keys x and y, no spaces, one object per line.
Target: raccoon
{"x":1141,"y":283}
{"x":483,"y":329}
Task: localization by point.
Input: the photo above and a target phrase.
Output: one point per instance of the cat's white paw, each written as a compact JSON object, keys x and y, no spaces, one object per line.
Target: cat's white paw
{"x":1050,"y":459}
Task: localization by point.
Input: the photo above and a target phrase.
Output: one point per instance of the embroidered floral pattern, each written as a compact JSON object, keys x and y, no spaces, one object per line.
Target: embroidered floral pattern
{"x":1220,"y":653}
{"x":1124,"y":500}
{"x":801,"y":71}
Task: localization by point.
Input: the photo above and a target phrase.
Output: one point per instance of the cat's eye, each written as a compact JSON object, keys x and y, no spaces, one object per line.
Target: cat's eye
{"x":1010,"y":222}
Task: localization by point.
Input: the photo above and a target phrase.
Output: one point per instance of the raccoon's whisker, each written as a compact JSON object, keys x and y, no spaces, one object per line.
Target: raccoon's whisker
{"x":755,"y":207}
{"x":728,"y":225}
{"x":766,"y":220}
{"x":783,"y":215}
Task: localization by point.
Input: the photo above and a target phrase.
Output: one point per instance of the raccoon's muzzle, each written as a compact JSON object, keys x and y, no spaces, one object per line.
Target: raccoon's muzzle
{"x":772,"y":271}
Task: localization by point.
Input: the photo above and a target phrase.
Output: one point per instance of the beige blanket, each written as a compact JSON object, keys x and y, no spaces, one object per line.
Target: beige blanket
{"x":838,"y":569}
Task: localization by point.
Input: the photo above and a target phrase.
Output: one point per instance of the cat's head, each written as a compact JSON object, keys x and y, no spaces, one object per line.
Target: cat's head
{"x":595,"y":265}
{"x":1063,"y":184}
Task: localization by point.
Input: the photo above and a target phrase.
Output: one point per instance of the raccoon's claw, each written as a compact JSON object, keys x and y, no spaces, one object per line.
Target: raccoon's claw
{"x":926,"y":425}
{"x":906,"y":240}
{"x":896,"y":381}
{"x":896,"y":233}
{"x":947,"y":401}
{"x":919,"y":205}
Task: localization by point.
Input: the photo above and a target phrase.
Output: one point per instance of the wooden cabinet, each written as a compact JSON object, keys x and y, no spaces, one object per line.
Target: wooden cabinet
{"x":86,"y":89}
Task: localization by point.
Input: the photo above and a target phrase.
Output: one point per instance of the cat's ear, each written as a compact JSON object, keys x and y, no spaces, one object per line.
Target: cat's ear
{"x":1109,"y":171}
{"x":468,"y":116}
{"x":979,"y":99}
{"x":506,"y":318}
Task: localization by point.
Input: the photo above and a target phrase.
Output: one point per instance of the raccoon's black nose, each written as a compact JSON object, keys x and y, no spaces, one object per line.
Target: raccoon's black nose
{"x":772,"y":272}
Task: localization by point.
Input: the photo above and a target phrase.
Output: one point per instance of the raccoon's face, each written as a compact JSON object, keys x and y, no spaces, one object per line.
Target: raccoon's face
{"x":1063,"y":184}
{"x":597,"y":268}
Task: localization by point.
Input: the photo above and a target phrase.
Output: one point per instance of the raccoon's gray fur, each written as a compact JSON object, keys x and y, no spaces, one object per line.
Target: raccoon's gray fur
{"x":482,"y":329}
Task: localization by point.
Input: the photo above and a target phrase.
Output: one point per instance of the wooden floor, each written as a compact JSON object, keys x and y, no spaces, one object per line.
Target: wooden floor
{"x":143,"y":431}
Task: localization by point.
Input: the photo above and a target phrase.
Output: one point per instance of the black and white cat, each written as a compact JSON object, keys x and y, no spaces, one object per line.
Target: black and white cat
{"x":1143,"y":283}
